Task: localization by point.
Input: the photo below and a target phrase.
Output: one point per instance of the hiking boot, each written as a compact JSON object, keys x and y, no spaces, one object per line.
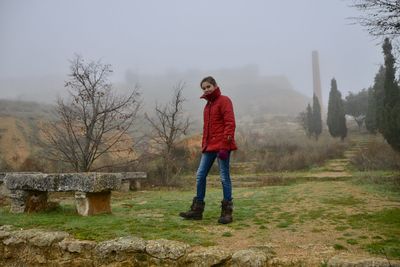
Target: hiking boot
{"x":195,"y":212}
{"x":226,"y":212}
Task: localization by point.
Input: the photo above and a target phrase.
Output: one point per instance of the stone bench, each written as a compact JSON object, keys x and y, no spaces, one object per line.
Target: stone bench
{"x":132,"y":180}
{"x":28,"y":191}
{"x":2,"y":175}
{"x":3,"y":190}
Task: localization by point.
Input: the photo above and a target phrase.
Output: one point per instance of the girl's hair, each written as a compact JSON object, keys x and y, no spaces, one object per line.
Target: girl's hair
{"x":209,"y":79}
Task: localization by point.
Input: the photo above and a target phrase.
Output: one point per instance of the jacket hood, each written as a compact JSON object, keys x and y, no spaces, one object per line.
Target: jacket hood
{"x":211,"y":97}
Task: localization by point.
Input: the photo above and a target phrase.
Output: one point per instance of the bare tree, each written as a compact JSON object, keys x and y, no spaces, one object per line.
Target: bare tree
{"x":168,"y":125}
{"x":381,"y":17}
{"x":94,"y":121}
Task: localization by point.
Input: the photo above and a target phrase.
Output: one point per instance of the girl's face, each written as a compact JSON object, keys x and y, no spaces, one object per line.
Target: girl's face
{"x":208,"y":88}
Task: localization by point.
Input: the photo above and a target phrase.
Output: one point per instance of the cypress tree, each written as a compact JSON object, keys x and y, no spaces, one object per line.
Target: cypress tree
{"x":336,"y":119}
{"x":309,"y":121}
{"x":316,"y":118}
{"x":370,"y":118}
{"x":378,"y":94}
{"x":391,"y":100}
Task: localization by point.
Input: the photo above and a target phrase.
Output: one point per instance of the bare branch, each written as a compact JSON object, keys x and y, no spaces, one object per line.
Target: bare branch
{"x":168,"y":125}
{"x":94,"y":121}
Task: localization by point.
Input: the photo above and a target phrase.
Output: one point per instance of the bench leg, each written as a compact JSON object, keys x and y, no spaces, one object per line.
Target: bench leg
{"x":28,"y":201}
{"x":92,"y":203}
{"x":135,"y":184}
{"x":125,"y":186}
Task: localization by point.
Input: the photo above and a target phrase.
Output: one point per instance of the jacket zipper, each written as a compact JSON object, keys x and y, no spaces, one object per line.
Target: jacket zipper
{"x":209,"y":120}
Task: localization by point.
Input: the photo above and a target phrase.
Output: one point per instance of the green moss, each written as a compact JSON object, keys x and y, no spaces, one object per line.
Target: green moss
{"x":227,"y":234}
{"x":341,"y":228}
{"x":339,"y":247}
{"x":352,"y":241}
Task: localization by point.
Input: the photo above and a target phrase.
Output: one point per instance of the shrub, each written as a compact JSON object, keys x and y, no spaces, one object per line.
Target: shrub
{"x":376,"y":155}
{"x":281,"y":154}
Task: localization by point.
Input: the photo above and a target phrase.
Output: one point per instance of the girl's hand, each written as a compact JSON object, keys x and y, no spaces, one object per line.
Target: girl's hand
{"x":223,"y":154}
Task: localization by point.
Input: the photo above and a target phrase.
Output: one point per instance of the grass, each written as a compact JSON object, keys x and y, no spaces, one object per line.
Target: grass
{"x":342,"y":201}
{"x":389,"y":248}
{"x":227,"y":234}
{"x":387,"y":223}
{"x":379,"y":182}
{"x":338,"y":209}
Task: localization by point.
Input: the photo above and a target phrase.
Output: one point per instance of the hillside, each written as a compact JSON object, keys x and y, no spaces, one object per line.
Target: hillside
{"x":21,"y":139}
{"x":19,"y":131}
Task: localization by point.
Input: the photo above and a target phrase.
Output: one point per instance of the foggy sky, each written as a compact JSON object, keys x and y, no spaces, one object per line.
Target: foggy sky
{"x":37,"y":37}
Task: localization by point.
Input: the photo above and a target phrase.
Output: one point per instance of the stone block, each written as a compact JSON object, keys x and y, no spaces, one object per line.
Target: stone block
{"x":77,"y":246}
{"x":93,"y":203}
{"x":18,"y":200}
{"x":135,"y":185}
{"x":122,"y":244}
{"x":62,"y":182}
{"x":125,"y":186}
{"x":166,"y":249}
{"x":249,"y":258}
{"x":28,"y":201}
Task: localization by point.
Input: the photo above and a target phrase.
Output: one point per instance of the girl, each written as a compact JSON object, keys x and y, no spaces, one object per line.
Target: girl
{"x":218,"y":142}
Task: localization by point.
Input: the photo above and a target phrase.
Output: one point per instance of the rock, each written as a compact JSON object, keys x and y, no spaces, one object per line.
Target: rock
{"x":360,"y":261}
{"x":249,"y":258}
{"x":74,"y":263}
{"x":46,"y":239}
{"x":166,"y":249}
{"x":34,"y":237}
{"x":5,"y":231}
{"x":6,"y":227}
{"x":39,"y":259}
{"x":12,"y":241}
{"x":123,"y":244}
{"x":76,"y":246}
{"x":210,"y":256}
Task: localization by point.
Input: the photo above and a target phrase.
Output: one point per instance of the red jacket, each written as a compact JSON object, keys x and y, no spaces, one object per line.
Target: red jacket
{"x":219,"y":123}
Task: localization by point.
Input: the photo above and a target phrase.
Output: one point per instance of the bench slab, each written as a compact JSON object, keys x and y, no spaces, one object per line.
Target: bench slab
{"x":63,"y":182}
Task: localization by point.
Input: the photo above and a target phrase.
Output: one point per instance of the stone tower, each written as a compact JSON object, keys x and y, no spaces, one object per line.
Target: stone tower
{"x":317,"y":79}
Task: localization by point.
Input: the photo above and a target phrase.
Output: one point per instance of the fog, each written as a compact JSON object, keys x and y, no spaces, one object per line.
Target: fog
{"x":181,"y":40}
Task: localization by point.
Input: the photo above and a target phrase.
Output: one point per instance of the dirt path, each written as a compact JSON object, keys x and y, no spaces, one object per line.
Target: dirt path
{"x":337,"y":168}
{"x":317,"y":218}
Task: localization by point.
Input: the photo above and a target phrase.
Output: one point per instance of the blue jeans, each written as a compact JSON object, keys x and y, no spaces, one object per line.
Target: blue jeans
{"x":207,"y":160}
